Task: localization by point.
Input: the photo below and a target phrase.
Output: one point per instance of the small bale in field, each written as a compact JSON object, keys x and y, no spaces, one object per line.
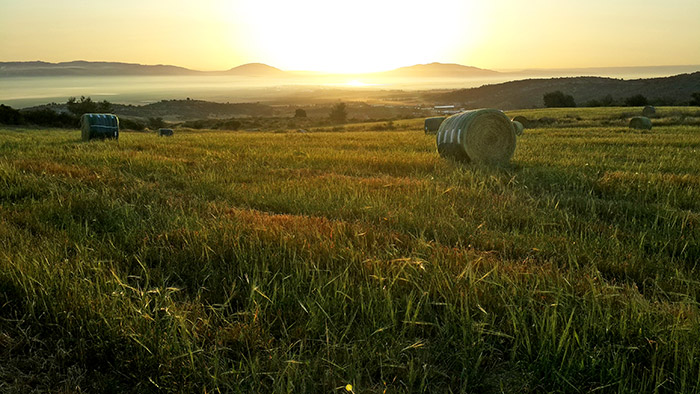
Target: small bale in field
{"x":165,"y":132}
{"x":432,"y":125}
{"x":546,"y":121}
{"x":483,"y":136}
{"x":518,"y":128}
{"x":523,"y":121}
{"x":640,"y":123}
{"x":649,"y":111}
{"x":99,"y":126}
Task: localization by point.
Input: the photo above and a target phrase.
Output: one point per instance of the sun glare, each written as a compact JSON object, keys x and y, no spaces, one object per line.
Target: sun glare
{"x":365,"y":36}
{"x":356,"y":83}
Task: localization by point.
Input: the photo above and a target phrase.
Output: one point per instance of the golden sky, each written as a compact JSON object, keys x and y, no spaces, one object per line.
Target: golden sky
{"x":354,"y":36}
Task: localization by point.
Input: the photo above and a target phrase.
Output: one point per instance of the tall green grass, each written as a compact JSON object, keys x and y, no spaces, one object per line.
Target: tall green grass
{"x":262,"y":262}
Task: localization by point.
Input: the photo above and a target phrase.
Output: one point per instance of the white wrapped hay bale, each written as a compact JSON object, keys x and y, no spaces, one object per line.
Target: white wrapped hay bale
{"x":640,"y":123}
{"x":482,"y":136}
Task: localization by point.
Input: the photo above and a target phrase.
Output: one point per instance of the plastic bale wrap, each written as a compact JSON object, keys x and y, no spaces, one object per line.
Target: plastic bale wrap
{"x":432,"y":125}
{"x":523,"y":121}
{"x":482,"y":136}
{"x":99,"y":126}
{"x":165,"y":132}
{"x":649,"y":111}
{"x":518,"y":128}
{"x":640,"y":123}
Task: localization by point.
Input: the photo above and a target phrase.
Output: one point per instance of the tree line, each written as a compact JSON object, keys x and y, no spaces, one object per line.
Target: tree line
{"x":558,"y":99}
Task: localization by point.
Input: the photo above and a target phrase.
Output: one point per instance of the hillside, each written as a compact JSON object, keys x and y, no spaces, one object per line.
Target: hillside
{"x":528,"y":93}
{"x":179,"y":109}
{"x":439,"y":70}
{"x":256,"y":70}
{"x":83,"y":68}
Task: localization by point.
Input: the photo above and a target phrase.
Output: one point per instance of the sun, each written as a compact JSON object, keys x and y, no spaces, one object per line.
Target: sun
{"x":362,"y":36}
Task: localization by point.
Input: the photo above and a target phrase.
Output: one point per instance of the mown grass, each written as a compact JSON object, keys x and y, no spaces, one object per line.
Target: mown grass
{"x":270,"y":262}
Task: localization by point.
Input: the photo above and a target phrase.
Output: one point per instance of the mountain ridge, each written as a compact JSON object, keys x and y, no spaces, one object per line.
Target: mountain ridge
{"x":87,"y":68}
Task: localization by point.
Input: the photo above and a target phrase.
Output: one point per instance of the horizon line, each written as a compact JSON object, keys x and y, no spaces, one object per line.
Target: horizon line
{"x":500,"y":70}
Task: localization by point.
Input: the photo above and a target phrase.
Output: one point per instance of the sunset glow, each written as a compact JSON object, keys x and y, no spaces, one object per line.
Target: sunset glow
{"x":362,"y":36}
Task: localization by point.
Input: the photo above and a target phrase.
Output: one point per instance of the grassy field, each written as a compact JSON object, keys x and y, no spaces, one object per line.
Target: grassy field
{"x":304,"y":262}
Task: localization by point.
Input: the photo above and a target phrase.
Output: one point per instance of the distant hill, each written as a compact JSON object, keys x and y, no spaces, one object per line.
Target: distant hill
{"x":255,"y":70}
{"x":179,"y":109}
{"x":439,"y":70}
{"x":528,"y":93}
{"x":84,"y":68}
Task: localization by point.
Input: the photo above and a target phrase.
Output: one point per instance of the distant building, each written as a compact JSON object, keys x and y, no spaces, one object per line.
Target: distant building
{"x":447,"y":109}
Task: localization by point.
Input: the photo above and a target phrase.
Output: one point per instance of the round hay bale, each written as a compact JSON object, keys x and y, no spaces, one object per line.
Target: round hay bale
{"x":640,"y":123}
{"x":165,"y":132}
{"x":432,"y":125}
{"x":482,"y":136}
{"x":518,"y":128}
{"x":523,"y":121}
{"x":649,"y":111}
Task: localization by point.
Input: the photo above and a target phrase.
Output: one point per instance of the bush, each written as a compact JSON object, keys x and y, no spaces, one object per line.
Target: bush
{"x":299,"y":113}
{"x":9,"y":115}
{"x":86,"y":106}
{"x":131,"y":124}
{"x":156,"y":123}
{"x":49,"y":118}
{"x":557,"y":99}
{"x":339,"y":113}
{"x":637,"y":100}
{"x":695,"y":99}
{"x":231,"y":124}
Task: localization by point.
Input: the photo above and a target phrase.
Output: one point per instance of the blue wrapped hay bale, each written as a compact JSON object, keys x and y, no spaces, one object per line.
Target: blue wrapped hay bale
{"x":99,"y":126}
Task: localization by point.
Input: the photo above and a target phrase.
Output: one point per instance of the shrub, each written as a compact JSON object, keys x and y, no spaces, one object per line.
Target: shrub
{"x":299,"y":113}
{"x":557,"y":99}
{"x":85,"y":105}
{"x":9,"y":115}
{"x":50,"y":118}
{"x":695,"y":99}
{"x":231,"y":124}
{"x":156,"y":123}
{"x":339,"y":113}
{"x":637,"y":100}
{"x":131,"y":124}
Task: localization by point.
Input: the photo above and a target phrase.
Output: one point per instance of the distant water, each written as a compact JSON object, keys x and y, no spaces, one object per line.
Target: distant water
{"x":30,"y":91}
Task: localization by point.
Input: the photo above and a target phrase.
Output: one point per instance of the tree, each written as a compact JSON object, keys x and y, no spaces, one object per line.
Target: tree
{"x":557,"y":99}
{"x":637,"y":100}
{"x":695,"y":99}
{"x":85,"y":105}
{"x":9,"y":115}
{"x":339,"y":113}
{"x":607,"y":101}
{"x":156,"y":123}
{"x":299,"y":113}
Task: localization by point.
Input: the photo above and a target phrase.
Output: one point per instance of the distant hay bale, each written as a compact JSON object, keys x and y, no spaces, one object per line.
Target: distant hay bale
{"x":518,"y":128}
{"x":99,"y":126}
{"x":482,"y":136}
{"x":165,"y":132}
{"x":649,"y":111}
{"x":523,"y":121}
{"x":432,"y":125}
{"x":640,"y":123}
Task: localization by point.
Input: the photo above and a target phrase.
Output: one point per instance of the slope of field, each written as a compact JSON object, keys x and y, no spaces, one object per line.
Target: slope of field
{"x":303,"y":262}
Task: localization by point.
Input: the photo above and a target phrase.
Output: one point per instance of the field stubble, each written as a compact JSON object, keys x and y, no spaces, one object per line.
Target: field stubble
{"x":304,"y":262}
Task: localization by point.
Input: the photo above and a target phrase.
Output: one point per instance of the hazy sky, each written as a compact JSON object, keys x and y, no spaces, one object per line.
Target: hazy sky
{"x":354,"y":36}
